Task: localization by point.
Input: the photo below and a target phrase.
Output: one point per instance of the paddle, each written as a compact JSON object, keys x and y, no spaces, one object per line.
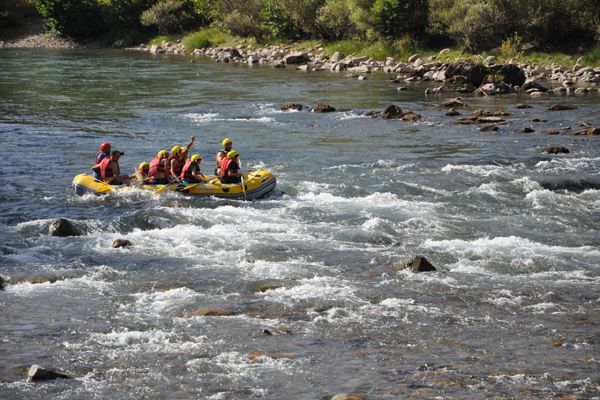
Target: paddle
{"x":244,"y":188}
{"x":162,"y":188}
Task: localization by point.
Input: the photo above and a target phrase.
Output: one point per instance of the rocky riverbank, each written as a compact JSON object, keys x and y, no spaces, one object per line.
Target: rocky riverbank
{"x":487,"y":78}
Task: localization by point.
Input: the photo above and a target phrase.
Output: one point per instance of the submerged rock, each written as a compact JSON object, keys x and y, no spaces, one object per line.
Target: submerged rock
{"x":39,"y":373}
{"x":576,"y":185}
{"x":557,"y":149}
{"x":63,"y":227}
{"x":457,"y":102}
{"x":411,"y":116}
{"x":207,"y":312}
{"x":489,"y":128}
{"x":561,"y":107}
{"x":522,"y":106}
{"x":452,"y":113}
{"x":117,"y":243}
{"x":527,"y":129}
{"x":263,"y":286}
{"x":551,"y":132}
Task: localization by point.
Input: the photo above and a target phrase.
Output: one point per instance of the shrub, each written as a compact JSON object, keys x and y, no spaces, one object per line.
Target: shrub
{"x":205,"y":38}
{"x":170,"y":16}
{"x":279,"y":22}
{"x":391,"y":19}
{"x":512,"y":47}
{"x":334,"y":20}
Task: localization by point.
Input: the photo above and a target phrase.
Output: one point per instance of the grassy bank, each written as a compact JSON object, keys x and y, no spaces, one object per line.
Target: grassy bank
{"x":399,"y":49}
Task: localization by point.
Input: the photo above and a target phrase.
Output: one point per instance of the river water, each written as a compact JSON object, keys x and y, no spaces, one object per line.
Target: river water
{"x":513,"y":310}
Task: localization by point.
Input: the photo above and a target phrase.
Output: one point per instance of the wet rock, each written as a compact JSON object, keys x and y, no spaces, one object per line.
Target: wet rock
{"x":490,"y":120}
{"x":392,"y":112}
{"x":485,"y":113}
{"x":1,"y":283}
{"x":452,"y":113}
{"x":561,"y":107}
{"x":416,"y":264}
{"x":413,"y":58}
{"x":587,"y":132}
{"x":457,"y":84}
{"x":263,"y":286}
{"x":557,"y":149}
{"x":489,"y":128}
{"x":401,"y":88}
{"x":510,"y":74}
{"x":457,"y":102}
{"x":63,"y":227}
{"x":527,"y":129}
{"x":411,"y":116}
{"x":551,"y":132}
{"x":292,"y":106}
{"x":38,"y":373}
{"x":535,"y":85}
{"x":118,"y":243}
{"x":576,"y":185}
{"x":522,"y":106}
{"x":258,"y":354}
{"x":207,"y":312}
{"x":373,"y":114}
{"x":346,"y":396}
{"x":302,"y":67}
{"x":493,"y":89}
{"x":539,"y":120}
{"x":466,"y":121}
{"x":323,"y":107}
{"x":277,"y":331}
{"x":297,"y":58}
{"x":473,"y":74}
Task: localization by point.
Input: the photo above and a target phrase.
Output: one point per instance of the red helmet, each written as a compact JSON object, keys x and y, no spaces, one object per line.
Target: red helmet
{"x":105,"y":147}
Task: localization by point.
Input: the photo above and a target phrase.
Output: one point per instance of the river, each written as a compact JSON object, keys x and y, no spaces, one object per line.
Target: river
{"x":513,"y":310}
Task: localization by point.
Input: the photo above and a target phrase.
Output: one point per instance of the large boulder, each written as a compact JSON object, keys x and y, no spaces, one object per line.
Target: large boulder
{"x":457,"y":84}
{"x":473,"y":74}
{"x":63,"y":227}
{"x":510,"y":74}
{"x":297,"y":58}
{"x":39,"y":373}
{"x":392,"y":112}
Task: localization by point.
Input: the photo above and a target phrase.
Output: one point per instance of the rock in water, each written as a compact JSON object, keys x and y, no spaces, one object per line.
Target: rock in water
{"x":323,"y":107}
{"x":527,"y":129}
{"x":63,"y":227}
{"x":510,"y":74}
{"x":346,"y":396}
{"x":560,"y":107}
{"x":1,"y":283}
{"x":121,"y":243}
{"x":418,"y":264}
{"x":292,"y":106}
{"x":207,"y":312}
{"x":474,"y":74}
{"x":557,"y":149}
{"x":453,"y":103}
{"x":297,"y":58}
{"x":39,"y":373}
{"x":411,"y":116}
{"x":392,"y":112}
{"x":489,"y":128}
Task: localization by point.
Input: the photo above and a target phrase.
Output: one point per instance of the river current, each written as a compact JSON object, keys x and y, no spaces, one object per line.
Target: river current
{"x":513,"y":310}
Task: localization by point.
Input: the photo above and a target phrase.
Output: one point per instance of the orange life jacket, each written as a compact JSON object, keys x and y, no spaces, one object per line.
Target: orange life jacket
{"x":106,"y":172}
{"x":186,"y":172}
{"x":156,"y":166}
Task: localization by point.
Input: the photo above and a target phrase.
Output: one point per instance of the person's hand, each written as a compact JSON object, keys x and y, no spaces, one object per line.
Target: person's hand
{"x":192,"y":138}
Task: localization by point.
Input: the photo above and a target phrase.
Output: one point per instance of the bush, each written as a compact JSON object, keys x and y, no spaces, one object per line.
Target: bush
{"x":13,"y":12}
{"x":243,"y":19}
{"x":170,"y":16}
{"x":391,"y":19}
{"x":334,"y":20}
{"x":76,"y":18}
{"x":279,"y":22}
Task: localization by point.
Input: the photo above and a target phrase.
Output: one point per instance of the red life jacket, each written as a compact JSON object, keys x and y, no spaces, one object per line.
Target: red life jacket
{"x":186,"y":172}
{"x":106,"y":172}
{"x":224,"y":172}
{"x":156,"y":167}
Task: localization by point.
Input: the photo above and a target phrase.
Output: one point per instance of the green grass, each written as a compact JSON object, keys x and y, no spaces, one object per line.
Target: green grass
{"x":164,"y":38}
{"x":592,"y":57}
{"x":206,"y":38}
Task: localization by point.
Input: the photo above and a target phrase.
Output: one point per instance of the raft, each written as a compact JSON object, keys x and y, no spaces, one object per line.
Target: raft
{"x":257,"y":184}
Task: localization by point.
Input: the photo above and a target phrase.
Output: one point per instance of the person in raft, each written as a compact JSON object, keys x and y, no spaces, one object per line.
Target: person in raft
{"x":102,"y":154}
{"x":110,"y":170}
{"x":230,"y":168}
{"x":159,"y":167}
{"x":141,"y":172}
{"x":191,"y":172}
{"x":222,"y":154}
{"x":178,"y":157}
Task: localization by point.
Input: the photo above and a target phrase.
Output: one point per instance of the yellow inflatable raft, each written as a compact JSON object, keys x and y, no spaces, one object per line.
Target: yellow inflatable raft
{"x":257,"y":184}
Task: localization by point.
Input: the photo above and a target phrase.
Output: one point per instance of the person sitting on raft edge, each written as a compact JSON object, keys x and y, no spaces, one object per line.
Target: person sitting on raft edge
{"x":159,"y":170}
{"x":110,"y":170}
{"x":222,"y":154}
{"x":102,"y":154}
{"x":177,"y":159}
{"x":230,"y":168}
{"x":191,"y":172}
{"x":141,"y":172}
